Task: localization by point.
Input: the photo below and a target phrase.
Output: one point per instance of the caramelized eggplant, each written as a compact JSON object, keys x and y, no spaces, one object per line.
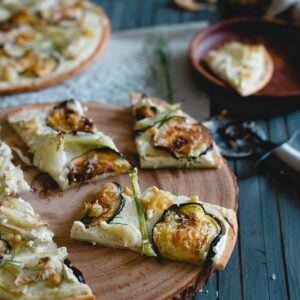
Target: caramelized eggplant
{"x":182,"y":139}
{"x":67,"y":120}
{"x":20,"y":17}
{"x":96,"y":162}
{"x":4,"y":247}
{"x":186,"y":233}
{"x":107,"y":204}
{"x":144,"y":112}
{"x":77,"y":273}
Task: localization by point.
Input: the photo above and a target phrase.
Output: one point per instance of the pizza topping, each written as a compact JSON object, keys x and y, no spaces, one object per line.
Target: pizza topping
{"x":9,"y":74}
{"x":37,"y":65}
{"x":186,"y":233}
{"x":157,"y":201}
{"x":107,"y":204}
{"x":62,"y":12}
{"x":13,"y":50}
{"x":4,"y":247}
{"x":145,"y":112}
{"x":37,"y":270}
{"x":150,"y":116}
{"x":181,"y":138}
{"x":96,"y":162}
{"x":146,"y":240}
{"x":20,"y":17}
{"x":66,"y":117}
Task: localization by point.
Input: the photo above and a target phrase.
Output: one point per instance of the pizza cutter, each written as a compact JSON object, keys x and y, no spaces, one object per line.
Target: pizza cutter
{"x":238,"y":140}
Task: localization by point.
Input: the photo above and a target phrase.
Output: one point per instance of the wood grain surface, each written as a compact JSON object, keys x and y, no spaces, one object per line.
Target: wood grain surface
{"x":120,"y":274}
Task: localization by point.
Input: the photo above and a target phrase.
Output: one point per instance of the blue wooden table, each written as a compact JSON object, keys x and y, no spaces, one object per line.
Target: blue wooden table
{"x":266,"y":261}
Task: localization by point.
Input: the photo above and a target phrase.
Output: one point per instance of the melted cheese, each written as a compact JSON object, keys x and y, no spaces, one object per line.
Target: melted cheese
{"x":240,"y":65}
{"x":11,"y":177}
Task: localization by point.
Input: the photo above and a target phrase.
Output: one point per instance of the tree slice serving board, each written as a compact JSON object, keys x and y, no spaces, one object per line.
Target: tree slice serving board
{"x":121,"y":274}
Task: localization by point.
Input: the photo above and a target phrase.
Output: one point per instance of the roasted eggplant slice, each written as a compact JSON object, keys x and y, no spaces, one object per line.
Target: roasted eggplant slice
{"x":181,"y":138}
{"x":35,"y":64}
{"x":107,"y":204}
{"x":67,"y":120}
{"x":96,"y":162}
{"x":186,"y":233}
{"x":144,"y":112}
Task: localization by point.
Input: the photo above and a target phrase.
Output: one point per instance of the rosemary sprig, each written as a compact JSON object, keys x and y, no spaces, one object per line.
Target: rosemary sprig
{"x":147,"y":244}
{"x":163,"y":55}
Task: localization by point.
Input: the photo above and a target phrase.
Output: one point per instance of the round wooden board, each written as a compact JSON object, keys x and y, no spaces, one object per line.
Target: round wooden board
{"x":68,"y":74}
{"x":120,"y":274}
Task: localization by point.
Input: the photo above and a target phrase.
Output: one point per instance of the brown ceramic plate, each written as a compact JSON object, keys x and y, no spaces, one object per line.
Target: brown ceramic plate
{"x":281,"y":40}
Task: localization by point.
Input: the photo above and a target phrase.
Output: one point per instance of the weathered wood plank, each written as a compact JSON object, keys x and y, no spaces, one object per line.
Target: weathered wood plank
{"x":116,"y":15}
{"x":271,"y":232}
{"x":147,"y":11}
{"x":167,"y":13}
{"x":253,"y":251}
{"x":130,"y":13}
{"x":289,"y":209}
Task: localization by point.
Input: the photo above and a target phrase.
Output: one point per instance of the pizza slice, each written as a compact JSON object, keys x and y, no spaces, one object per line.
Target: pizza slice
{"x":32,"y":267}
{"x":12,"y":181}
{"x":247,"y":68}
{"x":46,"y":42}
{"x":66,"y":144}
{"x":158,"y":223}
{"x":167,"y":137}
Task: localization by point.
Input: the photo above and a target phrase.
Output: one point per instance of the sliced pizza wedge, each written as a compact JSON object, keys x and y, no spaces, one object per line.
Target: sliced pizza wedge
{"x":66,"y":144}
{"x":12,"y":181}
{"x":32,"y":267}
{"x":158,"y":223}
{"x":168,"y":137}
{"x":246,"y":68}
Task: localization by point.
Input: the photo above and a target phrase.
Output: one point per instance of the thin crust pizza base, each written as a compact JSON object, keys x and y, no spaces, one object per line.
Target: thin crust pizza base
{"x":106,"y":27}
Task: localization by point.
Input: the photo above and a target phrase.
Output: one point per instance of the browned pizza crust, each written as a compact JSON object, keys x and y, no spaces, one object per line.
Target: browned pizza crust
{"x":229,"y":245}
{"x":64,"y":76}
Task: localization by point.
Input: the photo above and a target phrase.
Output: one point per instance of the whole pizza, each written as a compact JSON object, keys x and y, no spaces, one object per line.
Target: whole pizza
{"x":45,"y":42}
